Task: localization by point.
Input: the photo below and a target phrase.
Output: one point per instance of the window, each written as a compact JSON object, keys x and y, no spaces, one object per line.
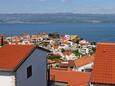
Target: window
{"x":88,"y":70}
{"x":29,"y":71}
{"x":82,"y":70}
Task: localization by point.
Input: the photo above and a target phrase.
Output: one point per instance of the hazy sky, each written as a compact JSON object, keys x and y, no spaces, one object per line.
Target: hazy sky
{"x":55,"y":6}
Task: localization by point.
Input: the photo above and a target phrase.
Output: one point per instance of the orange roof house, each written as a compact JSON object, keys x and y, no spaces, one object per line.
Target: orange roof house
{"x":12,"y":55}
{"x":22,"y":63}
{"x":71,"y":77}
{"x":104,"y":66}
{"x":84,"y":63}
{"x":67,"y":64}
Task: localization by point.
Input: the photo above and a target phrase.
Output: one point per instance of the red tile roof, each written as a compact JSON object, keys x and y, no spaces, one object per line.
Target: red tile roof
{"x":84,"y":60}
{"x":69,"y":63}
{"x":104,"y":65}
{"x":73,"y":78}
{"x":12,"y":55}
{"x":51,"y":61}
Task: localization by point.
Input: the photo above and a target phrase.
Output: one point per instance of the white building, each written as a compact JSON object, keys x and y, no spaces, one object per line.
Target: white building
{"x":23,"y":65}
{"x":84,"y":50}
{"x":84,"y":64}
{"x":67,"y":55}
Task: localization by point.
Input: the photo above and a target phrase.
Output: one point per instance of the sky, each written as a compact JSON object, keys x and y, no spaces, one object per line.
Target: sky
{"x":58,"y":6}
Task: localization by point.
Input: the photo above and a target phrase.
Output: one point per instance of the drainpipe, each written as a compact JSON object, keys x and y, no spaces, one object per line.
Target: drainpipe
{"x":1,"y":40}
{"x":48,"y":73}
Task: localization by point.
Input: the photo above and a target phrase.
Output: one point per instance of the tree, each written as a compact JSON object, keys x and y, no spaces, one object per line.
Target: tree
{"x":54,"y":35}
{"x":62,"y":50}
{"x":76,"y":52}
{"x":93,"y":43}
{"x":54,"y":57}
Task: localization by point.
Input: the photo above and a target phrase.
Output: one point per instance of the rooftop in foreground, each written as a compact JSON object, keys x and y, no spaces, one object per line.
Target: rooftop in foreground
{"x":73,"y":78}
{"x":104,"y":65}
{"x":12,"y":55}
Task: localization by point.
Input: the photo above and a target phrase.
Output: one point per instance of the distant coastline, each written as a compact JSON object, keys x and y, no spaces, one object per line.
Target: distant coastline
{"x":56,"y":18}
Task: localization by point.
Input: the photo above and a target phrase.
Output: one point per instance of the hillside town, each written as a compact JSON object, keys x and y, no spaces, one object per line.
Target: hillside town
{"x":67,"y":47}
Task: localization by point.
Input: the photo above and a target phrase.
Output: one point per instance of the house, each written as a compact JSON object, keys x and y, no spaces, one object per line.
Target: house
{"x":69,"y":65}
{"x":84,"y":42}
{"x":74,"y":38}
{"x":103,"y":73}
{"x":67,"y":37}
{"x":84,"y":50}
{"x":84,"y":64}
{"x":69,"y":78}
{"x":23,"y":65}
{"x":26,"y":36}
{"x":68,"y":55}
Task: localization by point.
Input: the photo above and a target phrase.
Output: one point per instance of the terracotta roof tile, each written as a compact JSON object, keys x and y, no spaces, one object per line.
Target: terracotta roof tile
{"x":84,"y":60}
{"x":104,"y":65}
{"x":12,"y":55}
{"x":73,"y":78}
{"x":69,"y":63}
{"x":51,"y":61}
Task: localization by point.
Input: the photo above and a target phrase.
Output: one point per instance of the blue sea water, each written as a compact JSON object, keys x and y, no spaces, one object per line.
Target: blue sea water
{"x":91,"y":32}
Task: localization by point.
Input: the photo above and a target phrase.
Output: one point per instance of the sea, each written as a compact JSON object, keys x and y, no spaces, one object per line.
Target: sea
{"x":96,"y":32}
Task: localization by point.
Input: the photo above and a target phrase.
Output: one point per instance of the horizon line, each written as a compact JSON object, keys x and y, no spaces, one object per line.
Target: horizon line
{"x":64,"y":13}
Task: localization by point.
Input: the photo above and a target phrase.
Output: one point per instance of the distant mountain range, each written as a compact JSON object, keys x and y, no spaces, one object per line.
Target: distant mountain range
{"x":57,"y":18}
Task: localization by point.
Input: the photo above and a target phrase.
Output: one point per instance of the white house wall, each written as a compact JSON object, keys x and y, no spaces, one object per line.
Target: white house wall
{"x":38,"y":61}
{"x":84,"y":67}
{"x":7,"y":79}
{"x":101,"y":85}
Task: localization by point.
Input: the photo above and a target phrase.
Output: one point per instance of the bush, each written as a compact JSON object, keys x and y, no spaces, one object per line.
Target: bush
{"x":76,"y":52}
{"x":54,"y":57}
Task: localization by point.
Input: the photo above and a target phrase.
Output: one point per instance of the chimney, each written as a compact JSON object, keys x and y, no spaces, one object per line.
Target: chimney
{"x":1,"y":40}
